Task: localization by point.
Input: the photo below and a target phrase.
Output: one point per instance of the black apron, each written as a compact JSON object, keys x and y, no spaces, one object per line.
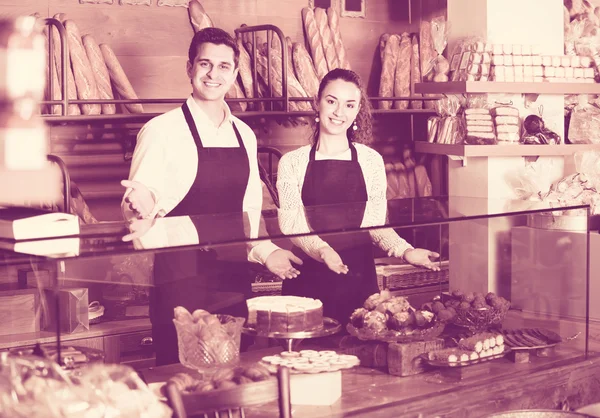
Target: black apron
{"x":197,"y":279}
{"x":341,"y":185}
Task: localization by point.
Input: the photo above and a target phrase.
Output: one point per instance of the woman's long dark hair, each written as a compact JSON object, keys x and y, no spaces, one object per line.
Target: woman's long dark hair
{"x":364,"y":133}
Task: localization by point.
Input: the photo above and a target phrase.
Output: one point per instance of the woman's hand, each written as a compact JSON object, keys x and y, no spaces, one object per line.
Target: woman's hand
{"x":333,"y":260}
{"x":420,"y":257}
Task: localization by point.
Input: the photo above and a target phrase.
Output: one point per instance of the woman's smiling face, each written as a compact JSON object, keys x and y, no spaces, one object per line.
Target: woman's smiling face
{"x":338,"y":106}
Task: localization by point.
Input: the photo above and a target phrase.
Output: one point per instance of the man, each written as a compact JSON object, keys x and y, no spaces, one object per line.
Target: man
{"x":200,"y":160}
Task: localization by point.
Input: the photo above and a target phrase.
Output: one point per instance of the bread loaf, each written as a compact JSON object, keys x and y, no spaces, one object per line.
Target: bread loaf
{"x":82,"y":70}
{"x":246,"y":39}
{"x":305,"y":71}
{"x":245,"y":70}
{"x":314,"y":40}
{"x":424,"y":188}
{"x":198,"y":17}
{"x":388,"y":70}
{"x":428,"y":54}
{"x":119,"y":79}
{"x":415,"y":71}
{"x":382,"y":41}
{"x":402,"y":77}
{"x":100,"y":73}
{"x":290,"y":46}
{"x":235,"y":92}
{"x":334,"y":25}
{"x":276,"y":82}
{"x":327,"y":39}
{"x":73,"y":109}
{"x":51,"y":80}
{"x":294,"y":87}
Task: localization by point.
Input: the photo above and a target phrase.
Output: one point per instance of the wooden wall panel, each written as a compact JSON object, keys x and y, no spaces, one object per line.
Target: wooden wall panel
{"x":157,"y":76}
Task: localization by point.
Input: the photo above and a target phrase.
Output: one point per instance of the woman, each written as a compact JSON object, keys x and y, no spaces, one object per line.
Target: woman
{"x":337,"y":183}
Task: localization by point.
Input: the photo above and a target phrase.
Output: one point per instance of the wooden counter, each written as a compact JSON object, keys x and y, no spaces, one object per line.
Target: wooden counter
{"x":498,"y":385}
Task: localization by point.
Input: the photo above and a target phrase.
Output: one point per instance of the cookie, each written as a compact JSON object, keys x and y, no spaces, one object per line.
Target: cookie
{"x":309,"y":353}
{"x":289,"y":354}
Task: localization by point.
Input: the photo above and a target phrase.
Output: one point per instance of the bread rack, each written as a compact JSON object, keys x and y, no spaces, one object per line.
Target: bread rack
{"x":330,"y":327}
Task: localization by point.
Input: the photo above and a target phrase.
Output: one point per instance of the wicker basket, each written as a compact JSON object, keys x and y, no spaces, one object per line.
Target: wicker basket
{"x":478,"y":320}
{"x":391,"y":336}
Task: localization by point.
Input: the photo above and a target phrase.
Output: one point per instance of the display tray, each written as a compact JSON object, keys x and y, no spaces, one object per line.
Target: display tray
{"x":330,"y":327}
{"x":391,"y":336}
{"x":310,"y":362}
{"x":531,"y":338}
{"x":444,"y":364}
{"x":72,"y":356}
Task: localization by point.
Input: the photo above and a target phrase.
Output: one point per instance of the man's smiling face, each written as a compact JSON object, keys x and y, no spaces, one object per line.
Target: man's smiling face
{"x":213,"y":71}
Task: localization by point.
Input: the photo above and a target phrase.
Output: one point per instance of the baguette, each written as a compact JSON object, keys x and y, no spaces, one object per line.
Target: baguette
{"x":327,"y":39}
{"x":402,"y":77}
{"x":294,"y":87}
{"x":290,"y":49}
{"x":276,"y":82}
{"x":424,"y":188}
{"x":119,"y":79}
{"x":82,"y":70}
{"x":236,"y":92}
{"x":334,"y":25}
{"x":427,"y":54}
{"x":314,"y":41}
{"x":245,"y":70}
{"x":382,"y":41}
{"x":100,"y":73}
{"x":73,"y":110}
{"x":51,"y":80}
{"x":415,"y":71}
{"x":305,"y":71}
{"x":198,"y":17}
{"x":388,"y":70}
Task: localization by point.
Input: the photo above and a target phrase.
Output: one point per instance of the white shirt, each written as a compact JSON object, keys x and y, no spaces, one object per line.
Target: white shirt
{"x":292,"y":218}
{"x":165,"y":160}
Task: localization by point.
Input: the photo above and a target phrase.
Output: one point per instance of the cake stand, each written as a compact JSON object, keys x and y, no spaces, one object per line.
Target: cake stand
{"x":330,"y":327}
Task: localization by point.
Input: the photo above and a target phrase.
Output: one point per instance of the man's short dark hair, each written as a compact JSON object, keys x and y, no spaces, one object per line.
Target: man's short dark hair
{"x":214,"y":36}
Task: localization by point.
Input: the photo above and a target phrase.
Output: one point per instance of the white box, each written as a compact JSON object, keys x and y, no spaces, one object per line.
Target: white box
{"x":316,"y":389}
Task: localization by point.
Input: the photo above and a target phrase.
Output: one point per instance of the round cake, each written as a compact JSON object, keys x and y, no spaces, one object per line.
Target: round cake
{"x":284,"y":314}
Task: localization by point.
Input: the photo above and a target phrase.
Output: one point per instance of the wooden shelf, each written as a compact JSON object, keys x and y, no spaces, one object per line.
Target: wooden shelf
{"x":99,"y":330}
{"x":464,"y":87}
{"x":516,"y":150}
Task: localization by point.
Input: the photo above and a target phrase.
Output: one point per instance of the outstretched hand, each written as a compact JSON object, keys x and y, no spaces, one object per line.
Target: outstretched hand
{"x":420,"y":257}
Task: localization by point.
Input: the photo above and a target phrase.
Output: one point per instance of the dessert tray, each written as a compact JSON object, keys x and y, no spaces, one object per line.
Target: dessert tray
{"x":532,"y":338}
{"x":310,"y":361}
{"x":392,"y":336}
{"x":330,"y":327}
{"x":430,"y":359}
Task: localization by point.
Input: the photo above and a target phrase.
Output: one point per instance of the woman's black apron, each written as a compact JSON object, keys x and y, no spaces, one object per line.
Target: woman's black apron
{"x":334,"y":195}
{"x":196,"y":279}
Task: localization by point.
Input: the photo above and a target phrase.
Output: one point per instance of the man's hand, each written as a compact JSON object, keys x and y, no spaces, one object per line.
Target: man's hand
{"x":138,"y":228}
{"x":140,"y":198}
{"x":333,"y":260}
{"x":280,"y":263}
{"x":422,"y":258}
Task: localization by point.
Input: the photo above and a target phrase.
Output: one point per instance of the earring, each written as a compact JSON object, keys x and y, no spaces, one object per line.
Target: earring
{"x":354,"y":127}
{"x":317,"y":120}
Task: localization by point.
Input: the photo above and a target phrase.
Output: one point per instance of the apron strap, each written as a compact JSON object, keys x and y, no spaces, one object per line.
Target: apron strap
{"x":313,"y":151}
{"x":191,"y":125}
{"x":238,"y":136}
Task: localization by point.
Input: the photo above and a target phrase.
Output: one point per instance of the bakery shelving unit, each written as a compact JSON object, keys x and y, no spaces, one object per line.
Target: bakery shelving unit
{"x":491,"y":87}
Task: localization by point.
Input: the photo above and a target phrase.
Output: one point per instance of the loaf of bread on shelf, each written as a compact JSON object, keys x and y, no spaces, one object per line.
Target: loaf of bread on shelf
{"x":235,"y":92}
{"x":92,"y":49}
{"x":305,"y":70}
{"x":82,"y":70}
{"x":73,"y":109}
{"x":314,"y":40}
{"x":334,"y":25}
{"x":388,"y":70}
{"x":415,"y":71}
{"x":382,"y":41}
{"x":198,"y":17}
{"x":51,"y":80}
{"x":276,"y":83}
{"x":119,"y":79}
{"x":402,"y":77}
{"x":327,"y":38}
{"x":294,"y":87}
{"x":427,"y":55}
{"x":245,"y":70}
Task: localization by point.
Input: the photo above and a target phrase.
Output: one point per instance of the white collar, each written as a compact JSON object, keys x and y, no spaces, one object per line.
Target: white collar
{"x":202,"y":118}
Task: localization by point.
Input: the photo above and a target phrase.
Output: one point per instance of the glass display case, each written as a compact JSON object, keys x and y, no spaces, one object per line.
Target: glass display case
{"x":533,"y":255}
